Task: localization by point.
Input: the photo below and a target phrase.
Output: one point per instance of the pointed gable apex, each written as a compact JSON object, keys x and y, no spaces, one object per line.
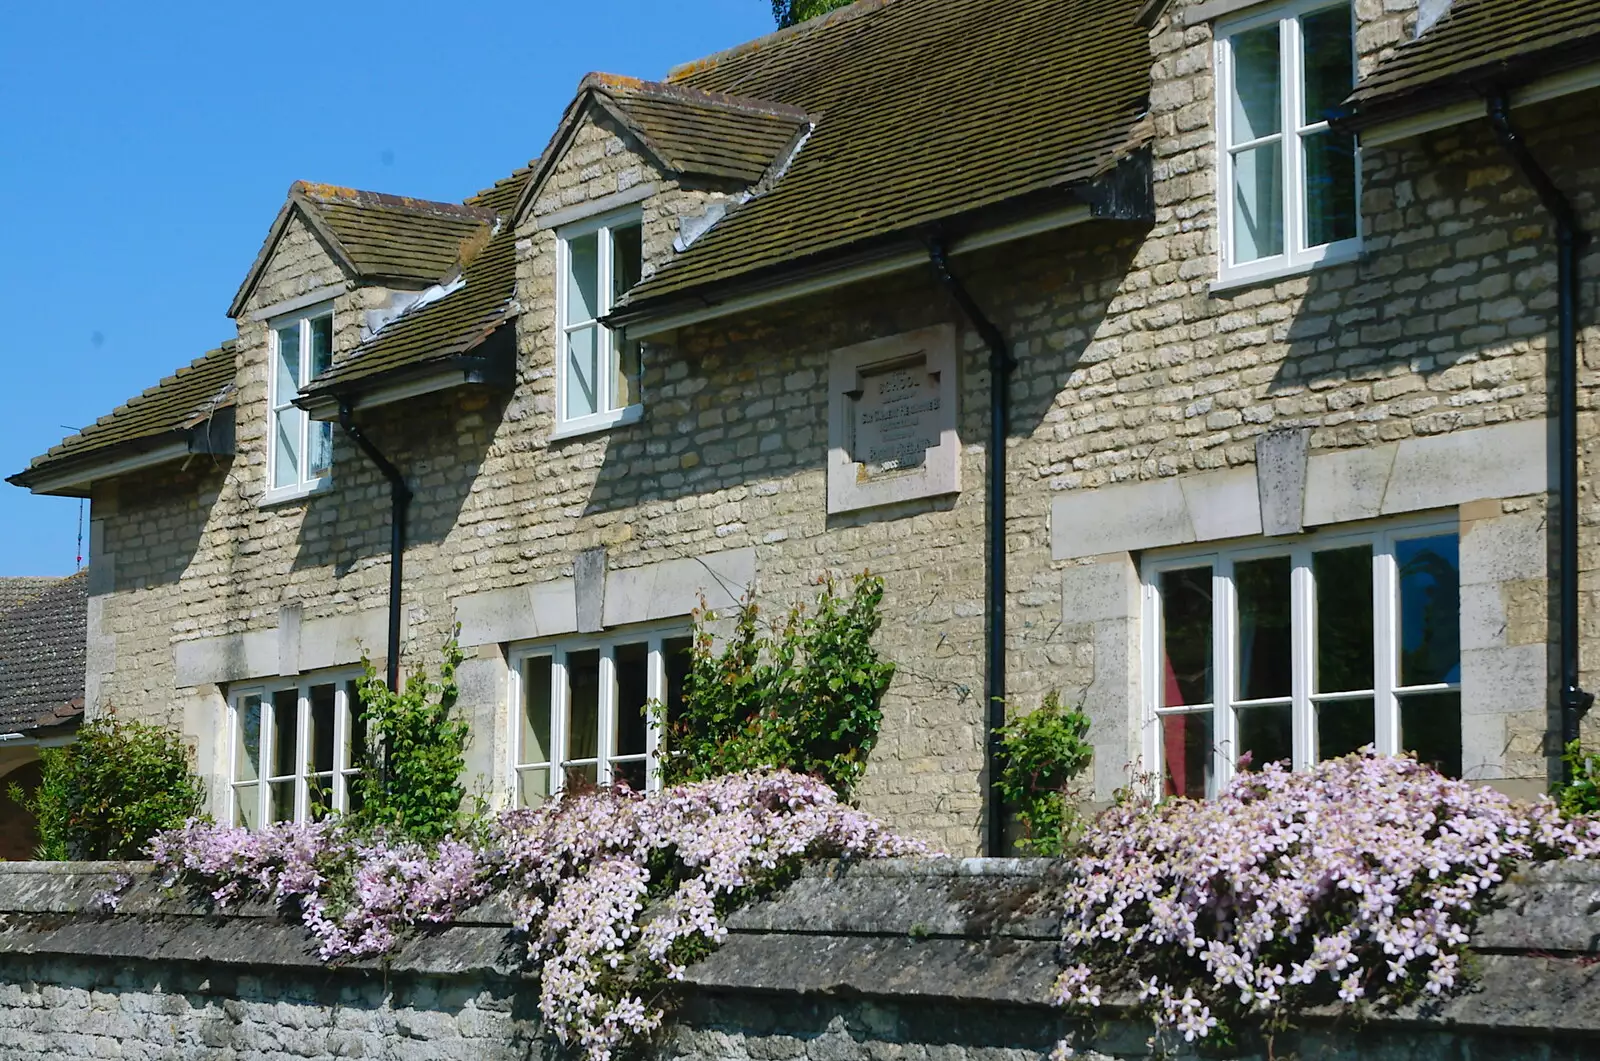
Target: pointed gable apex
{"x":295,"y":205}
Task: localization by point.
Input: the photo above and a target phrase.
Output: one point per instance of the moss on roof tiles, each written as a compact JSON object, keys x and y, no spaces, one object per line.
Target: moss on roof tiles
{"x":455,"y":324}
{"x":701,"y":133}
{"x":180,"y":401}
{"x":1479,"y":43}
{"x":396,"y":236}
{"x":924,"y":110}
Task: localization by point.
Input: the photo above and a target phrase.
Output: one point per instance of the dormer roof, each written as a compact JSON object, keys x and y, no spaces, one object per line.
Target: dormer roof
{"x":375,"y":237}
{"x":687,"y":131}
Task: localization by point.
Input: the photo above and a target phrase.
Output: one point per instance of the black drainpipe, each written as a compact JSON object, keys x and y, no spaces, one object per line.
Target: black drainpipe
{"x":400,"y":500}
{"x":1001,"y":364}
{"x":1570,"y":241}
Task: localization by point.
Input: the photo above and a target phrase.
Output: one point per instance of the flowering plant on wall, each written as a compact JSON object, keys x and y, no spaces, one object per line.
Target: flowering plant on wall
{"x":1353,"y":882}
{"x":578,"y":872}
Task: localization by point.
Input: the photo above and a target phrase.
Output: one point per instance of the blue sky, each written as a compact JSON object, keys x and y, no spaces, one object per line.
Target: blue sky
{"x":145,"y":149}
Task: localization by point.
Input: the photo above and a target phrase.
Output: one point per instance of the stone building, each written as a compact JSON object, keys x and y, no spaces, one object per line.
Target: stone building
{"x":1277,"y":399}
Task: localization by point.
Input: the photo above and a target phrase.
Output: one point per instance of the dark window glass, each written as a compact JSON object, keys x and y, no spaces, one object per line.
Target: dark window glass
{"x":1266,"y":661}
{"x":633,"y":692}
{"x":679,"y":654}
{"x":1430,"y":729}
{"x":1329,"y":62}
{"x":1430,"y":610}
{"x":285,"y":732}
{"x":583,"y":714}
{"x":1344,"y":726}
{"x":1343,"y":580}
{"x":1186,"y":754}
{"x":1186,"y":637}
{"x":1266,"y":735}
{"x":322,"y":711}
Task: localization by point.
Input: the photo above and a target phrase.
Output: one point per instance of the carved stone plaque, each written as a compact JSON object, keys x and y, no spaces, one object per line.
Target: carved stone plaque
{"x":892,"y":424}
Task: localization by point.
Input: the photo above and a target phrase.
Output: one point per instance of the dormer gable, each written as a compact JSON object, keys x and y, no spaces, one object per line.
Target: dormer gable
{"x":375,"y":238}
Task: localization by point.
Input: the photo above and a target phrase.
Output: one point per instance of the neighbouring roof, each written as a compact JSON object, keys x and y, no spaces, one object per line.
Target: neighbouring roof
{"x":179,"y":405}
{"x":42,"y":657}
{"x":455,"y":324}
{"x":17,"y":590}
{"x":377,"y":237}
{"x":1479,"y":43}
{"x":925,"y":110}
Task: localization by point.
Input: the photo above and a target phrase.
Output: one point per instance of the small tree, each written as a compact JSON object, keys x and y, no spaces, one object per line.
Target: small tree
{"x":804,"y":695}
{"x":1041,"y":753}
{"x":411,"y":766}
{"x":792,"y":12}
{"x":108,"y":793}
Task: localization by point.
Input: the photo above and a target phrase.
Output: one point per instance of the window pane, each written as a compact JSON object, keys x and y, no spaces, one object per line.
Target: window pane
{"x":281,"y":799}
{"x":286,"y":437}
{"x":1344,"y":726}
{"x":629,"y":367}
{"x":1330,"y":187}
{"x":247,"y":807}
{"x":627,"y":259}
{"x":321,"y":346}
{"x":1265,"y":652}
{"x":633,"y":691}
{"x":583,"y":372}
{"x":679,"y":654}
{"x":1430,"y":610}
{"x":356,"y":743}
{"x":288,"y":382}
{"x":1257,"y":86}
{"x":1258,"y":202}
{"x":1186,"y":637}
{"x":1266,"y":735}
{"x":321,"y":752}
{"x":535,"y":745}
{"x":320,"y":461}
{"x":1329,"y":61}
{"x":581,"y":777}
{"x":533,"y":786}
{"x":247,"y":740}
{"x":1344,"y":619}
{"x":583,"y":278}
{"x":1430,"y":728}
{"x":285,"y":733}
{"x":630,"y":774}
{"x":1186,"y":754}
{"x":583,"y":714}
{"x":319,"y":796}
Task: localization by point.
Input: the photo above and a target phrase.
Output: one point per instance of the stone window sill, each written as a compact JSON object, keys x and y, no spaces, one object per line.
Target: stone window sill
{"x":593,"y":425}
{"x":1238,"y":279}
{"x":285,"y":495}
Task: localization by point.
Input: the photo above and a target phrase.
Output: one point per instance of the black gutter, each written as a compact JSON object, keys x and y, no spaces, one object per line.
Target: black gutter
{"x":1570,"y":241}
{"x":1001,"y":365}
{"x":400,"y":500}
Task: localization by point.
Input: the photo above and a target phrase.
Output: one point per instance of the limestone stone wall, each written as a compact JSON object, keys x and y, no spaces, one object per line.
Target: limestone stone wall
{"x":948,"y":960}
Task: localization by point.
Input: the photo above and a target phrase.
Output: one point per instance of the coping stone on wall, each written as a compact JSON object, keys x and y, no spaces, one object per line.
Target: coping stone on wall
{"x":1171,"y":511}
{"x":1507,"y":460}
{"x":290,"y":648}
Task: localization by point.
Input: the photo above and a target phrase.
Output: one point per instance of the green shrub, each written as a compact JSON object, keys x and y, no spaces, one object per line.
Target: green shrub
{"x":105,"y":795}
{"x":803,"y":695}
{"x":416,"y":736}
{"x":1580,"y":797}
{"x":1041,"y":754}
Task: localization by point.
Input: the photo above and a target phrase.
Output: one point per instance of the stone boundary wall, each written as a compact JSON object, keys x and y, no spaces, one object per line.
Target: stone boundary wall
{"x":911,"y":960}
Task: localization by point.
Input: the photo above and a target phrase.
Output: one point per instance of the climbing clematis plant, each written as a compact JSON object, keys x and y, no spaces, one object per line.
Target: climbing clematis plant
{"x":579,"y":873}
{"x":1353,"y":882}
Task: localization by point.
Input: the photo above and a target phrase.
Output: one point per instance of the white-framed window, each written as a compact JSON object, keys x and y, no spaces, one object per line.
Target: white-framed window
{"x":1289,"y":189}
{"x":1302,"y":649}
{"x":295,"y":747}
{"x":597,"y":370}
{"x":300,"y":450}
{"x":581,"y":710}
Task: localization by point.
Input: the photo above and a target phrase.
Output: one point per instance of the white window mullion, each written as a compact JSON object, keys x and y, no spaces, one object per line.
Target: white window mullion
{"x":655,"y":693}
{"x":606,"y":739}
{"x":1301,"y":623}
{"x":1293,"y":149}
{"x":302,"y":757}
{"x":269,"y":725}
{"x":1385,"y":649}
{"x":603,"y":386}
{"x":1224,"y":728}
{"x":341,"y":745}
{"x":559,"y":699}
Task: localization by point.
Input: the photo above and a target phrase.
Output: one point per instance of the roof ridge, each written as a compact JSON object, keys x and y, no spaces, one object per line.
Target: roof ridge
{"x":331,"y":194}
{"x":837,"y":16}
{"x":666,"y":90}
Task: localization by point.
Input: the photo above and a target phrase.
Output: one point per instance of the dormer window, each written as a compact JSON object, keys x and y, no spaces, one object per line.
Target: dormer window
{"x":597,"y":369}
{"x":300,"y":451}
{"x":1288,"y":190}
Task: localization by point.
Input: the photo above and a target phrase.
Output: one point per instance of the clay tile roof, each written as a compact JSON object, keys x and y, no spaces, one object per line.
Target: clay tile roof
{"x":1478,"y":44}
{"x":186,"y":399}
{"x":42,"y":657}
{"x":15,"y":590}
{"x":455,"y":324}
{"x":924,"y":110}
{"x":393,"y":236}
{"x":708,"y":134}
